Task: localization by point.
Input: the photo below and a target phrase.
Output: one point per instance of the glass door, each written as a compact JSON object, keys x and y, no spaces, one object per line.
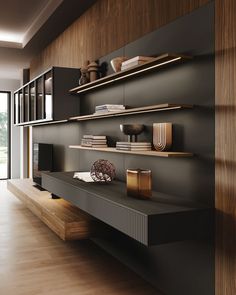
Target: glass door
{"x":21,"y":105}
{"x":48,"y":95}
{"x":32,"y":101}
{"x":16,"y":109}
{"x":26,"y":103}
{"x":4,"y":135}
{"x":40,"y":98}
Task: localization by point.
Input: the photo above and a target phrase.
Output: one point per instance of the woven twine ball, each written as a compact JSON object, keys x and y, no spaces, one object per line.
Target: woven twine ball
{"x":103,"y":171}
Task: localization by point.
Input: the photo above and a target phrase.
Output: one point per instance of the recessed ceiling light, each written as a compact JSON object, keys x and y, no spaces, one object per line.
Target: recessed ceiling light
{"x":11,"y":37}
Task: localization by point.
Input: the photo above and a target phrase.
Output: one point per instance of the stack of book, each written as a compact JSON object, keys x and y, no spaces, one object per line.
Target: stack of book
{"x":133,"y":146}
{"x":95,"y":141}
{"x":137,"y":60}
{"x":106,"y":108}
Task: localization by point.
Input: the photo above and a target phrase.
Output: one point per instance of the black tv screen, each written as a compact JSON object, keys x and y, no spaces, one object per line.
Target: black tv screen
{"x":42,"y":160}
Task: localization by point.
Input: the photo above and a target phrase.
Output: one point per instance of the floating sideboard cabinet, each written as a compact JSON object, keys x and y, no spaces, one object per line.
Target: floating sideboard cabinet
{"x":46,"y":98}
{"x":162,"y":219}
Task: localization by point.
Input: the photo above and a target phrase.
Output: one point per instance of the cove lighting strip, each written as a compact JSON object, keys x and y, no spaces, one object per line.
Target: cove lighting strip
{"x":130,"y":74}
{"x":118,"y":114}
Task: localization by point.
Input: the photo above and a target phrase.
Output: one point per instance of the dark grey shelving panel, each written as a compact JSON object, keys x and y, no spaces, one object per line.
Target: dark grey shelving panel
{"x":155,"y":221}
{"x":193,"y":179}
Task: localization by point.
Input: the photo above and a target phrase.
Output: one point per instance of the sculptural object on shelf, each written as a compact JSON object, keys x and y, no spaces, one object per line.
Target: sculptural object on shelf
{"x":139,"y":183}
{"x":162,"y":136}
{"x":103,"y":171}
{"x":132,"y":130}
{"x":93,"y":70}
{"x":84,"y":78}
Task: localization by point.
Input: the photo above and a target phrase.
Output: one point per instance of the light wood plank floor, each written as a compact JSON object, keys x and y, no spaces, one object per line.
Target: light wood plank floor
{"x":33,"y":260}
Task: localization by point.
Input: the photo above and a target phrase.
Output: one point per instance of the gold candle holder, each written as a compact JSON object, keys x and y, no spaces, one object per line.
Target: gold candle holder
{"x":139,"y":183}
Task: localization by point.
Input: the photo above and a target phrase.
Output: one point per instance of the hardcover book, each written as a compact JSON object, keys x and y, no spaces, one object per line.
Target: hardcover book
{"x":137,"y":58}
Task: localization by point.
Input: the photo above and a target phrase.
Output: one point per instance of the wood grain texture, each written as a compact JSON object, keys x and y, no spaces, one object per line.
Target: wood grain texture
{"x":225,"y":199}
{"x":34,"y":261}
{"x":66,"y":220}
{"x":107,"y":26}
{"x":143,"y":153}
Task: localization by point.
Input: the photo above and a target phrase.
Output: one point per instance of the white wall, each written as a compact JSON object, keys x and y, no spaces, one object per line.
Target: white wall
{"x":12,"y":85}
{"x":23,"y":152}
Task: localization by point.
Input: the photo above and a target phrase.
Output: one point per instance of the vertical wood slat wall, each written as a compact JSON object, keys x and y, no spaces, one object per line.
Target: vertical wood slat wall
{"x":225,"y":198}
{"x":109,"y":25}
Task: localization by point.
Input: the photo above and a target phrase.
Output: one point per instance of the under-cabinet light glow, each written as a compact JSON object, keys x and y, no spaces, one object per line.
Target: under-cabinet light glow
{"x":149,"y":68}
{"x":98,"y":85}
{"x":117,"y":114}
{"x":130,"y":74}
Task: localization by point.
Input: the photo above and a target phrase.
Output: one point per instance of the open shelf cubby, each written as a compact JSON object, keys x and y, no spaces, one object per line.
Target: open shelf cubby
{"x":141,"y":153}
{"x":155,"y":63}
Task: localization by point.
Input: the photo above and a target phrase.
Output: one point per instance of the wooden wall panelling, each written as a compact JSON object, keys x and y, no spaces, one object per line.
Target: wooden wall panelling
{"x":113,"y":25}
{"x":225,"y":147}
{"x":149,"y":15}
{"x":107,"y":26}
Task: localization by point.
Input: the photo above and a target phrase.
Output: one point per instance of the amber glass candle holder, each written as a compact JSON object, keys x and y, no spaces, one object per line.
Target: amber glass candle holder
{"x":139,"y":183}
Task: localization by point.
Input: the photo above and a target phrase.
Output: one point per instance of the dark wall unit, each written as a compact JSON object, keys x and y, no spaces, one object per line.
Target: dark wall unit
{"x":46,"y":98}
{"x":186,"y":179}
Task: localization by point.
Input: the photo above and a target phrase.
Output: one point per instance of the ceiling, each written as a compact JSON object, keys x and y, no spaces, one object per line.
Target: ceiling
{"x":27,"y":27}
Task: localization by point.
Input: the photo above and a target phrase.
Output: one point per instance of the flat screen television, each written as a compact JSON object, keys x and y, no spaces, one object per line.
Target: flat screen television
{"x":42,"y":161}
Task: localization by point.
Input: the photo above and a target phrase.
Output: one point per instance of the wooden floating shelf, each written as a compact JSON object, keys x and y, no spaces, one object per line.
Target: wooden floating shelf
{"x":156,"y":62}
{"x":45,"y":122}
{"x":141,"y":153}
{"x":63,"y":218}
{"x":162,"y":219}
{"x":29,"y":123}
{"x":133,"y":111}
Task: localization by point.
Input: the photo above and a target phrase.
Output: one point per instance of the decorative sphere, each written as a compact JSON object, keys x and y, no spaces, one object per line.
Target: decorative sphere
{"x":103,"y":171}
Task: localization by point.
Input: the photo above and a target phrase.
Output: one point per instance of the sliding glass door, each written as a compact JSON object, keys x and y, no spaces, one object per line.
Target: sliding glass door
{"x":4,"y":135}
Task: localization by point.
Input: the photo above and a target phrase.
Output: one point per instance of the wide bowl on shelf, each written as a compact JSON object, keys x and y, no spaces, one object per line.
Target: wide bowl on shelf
{"x":132,"y":130}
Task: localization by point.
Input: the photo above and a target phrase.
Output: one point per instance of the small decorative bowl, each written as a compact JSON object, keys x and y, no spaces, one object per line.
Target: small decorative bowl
{"x":132,"y":130}
{"x":116,"y":63}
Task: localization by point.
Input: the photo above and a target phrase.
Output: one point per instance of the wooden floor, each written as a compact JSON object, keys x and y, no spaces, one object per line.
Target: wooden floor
{"x":33,"y":260}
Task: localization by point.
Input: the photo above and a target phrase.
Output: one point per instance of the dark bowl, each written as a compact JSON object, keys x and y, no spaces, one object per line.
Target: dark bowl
{"x":131,"y":129}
